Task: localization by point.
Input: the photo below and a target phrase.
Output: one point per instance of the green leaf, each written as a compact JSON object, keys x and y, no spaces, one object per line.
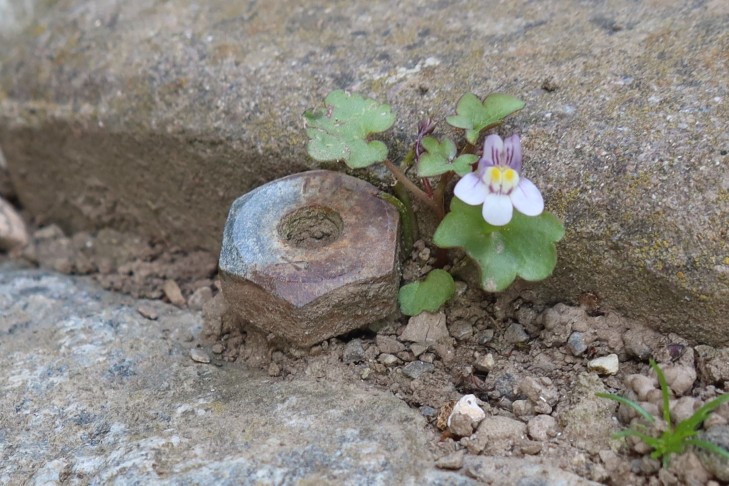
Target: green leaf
{"x":427,"y":295}
{"x":439,"y":158}
{"x":475,"y":116}
{"x":665,"y":394}
{"x":630,"y":403}
{"x":341,"y":132}
{"x":525,"y":247}
{"x":702,"y":414}
{"x":709,"y":446}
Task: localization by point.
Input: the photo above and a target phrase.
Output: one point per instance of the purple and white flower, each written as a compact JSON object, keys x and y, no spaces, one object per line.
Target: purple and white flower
{"x":498,"y":185}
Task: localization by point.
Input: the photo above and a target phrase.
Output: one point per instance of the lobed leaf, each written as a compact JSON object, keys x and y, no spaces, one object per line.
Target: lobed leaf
{"x":439,"y":158}
{"x":475,"y":116}
{"x":525,"y":247}
{"x":427,"y":295}
{"x":341,"y":132}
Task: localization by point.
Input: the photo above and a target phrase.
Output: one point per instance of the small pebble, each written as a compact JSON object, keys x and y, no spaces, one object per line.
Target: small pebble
{"x":606,"y":365}
{"x":418,"y":349}
{"x":542,"y":427}
{"x":199,"y":356}
{"x":274,"y":369}
{"x":416,"y":369}
{"x":485,"y":363}
{"x":427,"y":357}
{"x":460,"y":425}
{"x":468,"y":406}
{"x":425,"y":328}
{"x":485,"y":336}
{"x":683,"y":408}
{"x":461,"y":330}
{"x":680,"y":379}
{"x":576,"y":343}
{"x":388,"y":344}
{"x":200,"y":297}
{"x":173,"y":293}
{"x":218,"y":348}
{"x":353,"y":352}
{"x":452,"y":461}
{"x":387,"y":359}
{"x":521,"y":408}
{"x":531,"y":448}
{"x":427,"y":411}
{"x":147,"y":312}
{"x":515,"y":333}
{"x":642,"y":385}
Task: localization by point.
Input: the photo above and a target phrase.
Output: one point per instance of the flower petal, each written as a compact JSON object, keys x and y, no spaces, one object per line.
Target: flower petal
{"x":527,"y":199}
{"x":497,"y":209}
{"x":471,"y":189}
{"x":512,"y":148}
{"x":493,"y":148}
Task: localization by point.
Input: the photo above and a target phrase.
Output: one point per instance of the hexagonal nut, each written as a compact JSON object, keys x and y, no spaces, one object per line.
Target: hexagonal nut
{"x":311,"y":256}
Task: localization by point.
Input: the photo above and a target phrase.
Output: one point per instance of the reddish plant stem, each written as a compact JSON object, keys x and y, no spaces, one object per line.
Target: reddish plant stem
{"x":428,"y":187}
{"x":415,"y":190}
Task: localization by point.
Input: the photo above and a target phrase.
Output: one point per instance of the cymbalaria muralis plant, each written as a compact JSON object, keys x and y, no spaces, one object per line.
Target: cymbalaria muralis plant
{"x":497,"y":215}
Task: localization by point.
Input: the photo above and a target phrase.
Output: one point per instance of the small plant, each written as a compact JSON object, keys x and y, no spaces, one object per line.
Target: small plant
{"x":676,"y":437}
{"x":497,"y":215}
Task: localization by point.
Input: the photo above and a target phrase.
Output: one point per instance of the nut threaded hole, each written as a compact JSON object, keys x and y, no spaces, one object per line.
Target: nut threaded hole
{"x":311,"y":227}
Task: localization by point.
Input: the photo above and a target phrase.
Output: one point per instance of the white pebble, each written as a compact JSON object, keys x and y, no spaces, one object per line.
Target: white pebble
{"x":606,"y":365}
{"x":199,"y":356}
{"x":468,"y":405}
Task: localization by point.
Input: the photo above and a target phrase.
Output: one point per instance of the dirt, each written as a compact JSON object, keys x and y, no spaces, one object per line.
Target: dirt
{"x":123,"y":262}
{"x":528,"y":366}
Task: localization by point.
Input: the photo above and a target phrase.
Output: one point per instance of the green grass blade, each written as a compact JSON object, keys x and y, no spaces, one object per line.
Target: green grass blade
{"x":664,"y":392}
{"x":702,"y":413}
{"x":709,"y":447}
{"x":630,"y":403}
{"x":651,"y":441}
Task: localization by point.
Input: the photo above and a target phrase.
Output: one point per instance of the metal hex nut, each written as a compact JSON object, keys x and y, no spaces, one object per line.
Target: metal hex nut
{"x":311,"y":256}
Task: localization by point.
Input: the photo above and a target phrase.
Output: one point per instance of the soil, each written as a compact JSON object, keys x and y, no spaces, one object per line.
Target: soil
{"x":530,"y":368}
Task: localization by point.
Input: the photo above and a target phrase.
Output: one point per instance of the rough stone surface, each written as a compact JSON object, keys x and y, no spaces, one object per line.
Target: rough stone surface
{"x":425,"y":328}
{"x":91,"y":389}
{"x":416,"y":369}
{"x":585,"y":418}
{"x":713,"y":364}
{"x":718,"y":466}
{"x":156,"y":115}
{"x":509,"y":471}
{"x":496,"y":434}
{"x":485,"y":363}
{"x":311,"y":256}
{"x":542,"y":427}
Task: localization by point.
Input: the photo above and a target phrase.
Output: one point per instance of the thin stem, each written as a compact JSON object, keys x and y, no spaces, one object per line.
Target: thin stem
{"x":414,"y":190}
{"x":427,"y":186}
{"x":408,"y":221}
{"x":404,"y":196}
{"x":439,"y":196}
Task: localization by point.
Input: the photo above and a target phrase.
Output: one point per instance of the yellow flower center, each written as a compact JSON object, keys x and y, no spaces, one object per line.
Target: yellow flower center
{"x":502,"y":180}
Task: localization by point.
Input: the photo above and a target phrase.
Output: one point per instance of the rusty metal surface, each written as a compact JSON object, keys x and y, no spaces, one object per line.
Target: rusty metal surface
{"x":309,"y":288}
